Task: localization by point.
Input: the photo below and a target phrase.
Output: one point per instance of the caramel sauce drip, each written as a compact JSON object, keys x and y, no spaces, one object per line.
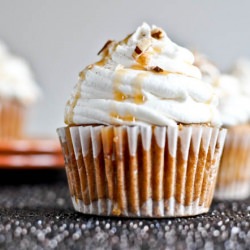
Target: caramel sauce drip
{"x":139,"y":98}
{"x":127,"y":117}
{"x":137,"y":67}
{"x":118,"y":94}
{"x":127,"y":38}
{"x":105,"y":47}
{"x":137,"y":95}
{"x":102,"y":62}
{"x":157,"y":50}
{"x":136,"y":85}
{"x":143,"y":60}
{"x":82,"y":75}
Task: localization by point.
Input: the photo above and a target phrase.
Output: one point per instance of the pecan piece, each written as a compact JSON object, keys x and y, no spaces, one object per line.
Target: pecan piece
{"x":138,"y":50}
{"x":157,"y":34}
{"x":157,"y":69}
{"x":105,"y":46}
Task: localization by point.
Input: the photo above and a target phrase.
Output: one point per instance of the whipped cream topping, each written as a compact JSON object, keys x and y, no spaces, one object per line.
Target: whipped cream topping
{"x":144,"y":79}
{"x":234,"y":94}
{"x":16,"y":79}
{"x":241,"y":70}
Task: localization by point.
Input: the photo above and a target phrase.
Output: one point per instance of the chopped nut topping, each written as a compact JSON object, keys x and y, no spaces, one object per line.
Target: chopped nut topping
{"x":82,"y":74}
{"x":105,"y":46}
{"x":127,"y":38}
{"x":157,"y":34}
{"x":141,"y":47}
{"x":158,"y":69}
{"x":138,"y":50}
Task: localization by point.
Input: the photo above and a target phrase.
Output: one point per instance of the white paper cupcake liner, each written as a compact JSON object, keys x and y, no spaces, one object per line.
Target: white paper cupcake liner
{"x":234,"y":174}
{"x":142,"y":171}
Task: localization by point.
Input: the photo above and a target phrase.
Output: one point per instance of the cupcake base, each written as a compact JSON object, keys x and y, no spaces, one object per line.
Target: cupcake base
{"x":173,"y":211}
{"x":234,"y":174}
{"x":142,"y":171}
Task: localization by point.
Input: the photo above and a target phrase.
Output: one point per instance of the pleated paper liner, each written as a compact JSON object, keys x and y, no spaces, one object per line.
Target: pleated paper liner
{"x":234,"y":174}
{"x":142,"y":171}
{"x":12,"y":119}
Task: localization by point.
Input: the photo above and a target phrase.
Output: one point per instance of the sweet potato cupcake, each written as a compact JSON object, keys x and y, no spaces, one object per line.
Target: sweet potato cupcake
{"x":143,"y":135}
{"x":234,"y":91}
{"x":17,"y":91}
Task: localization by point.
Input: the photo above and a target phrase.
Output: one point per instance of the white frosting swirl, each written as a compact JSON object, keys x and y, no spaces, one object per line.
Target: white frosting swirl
{"x":144,"y":79}
{"x":16,"y":79}
{"x":234,"y":93}
{"x":241,"y":70}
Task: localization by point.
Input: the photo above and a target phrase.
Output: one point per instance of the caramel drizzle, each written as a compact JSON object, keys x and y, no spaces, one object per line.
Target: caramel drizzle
{"x":143,"y":60}
{"x":127,"y":38}
{"x":118,"y":94}
{"x":105,"y":47}
{"x":138,"y":97}
{"x":127,"y":117}
{"x":157,"y":50}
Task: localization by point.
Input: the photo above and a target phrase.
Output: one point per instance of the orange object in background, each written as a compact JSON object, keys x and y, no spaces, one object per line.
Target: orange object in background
{"x":31,"y":154}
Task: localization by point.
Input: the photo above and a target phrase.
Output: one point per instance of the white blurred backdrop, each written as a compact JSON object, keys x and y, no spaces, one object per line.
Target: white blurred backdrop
{"x":60,"y":37}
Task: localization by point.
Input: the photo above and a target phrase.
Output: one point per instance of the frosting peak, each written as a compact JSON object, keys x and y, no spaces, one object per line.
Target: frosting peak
{"x":143,"y":79}
{"x":150,"y":49}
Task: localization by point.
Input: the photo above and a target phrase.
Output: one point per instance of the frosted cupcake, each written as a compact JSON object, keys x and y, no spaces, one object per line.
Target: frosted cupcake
{"x":143,"y":136}
{"x":234,"y":91}
{"x":17,"y":91}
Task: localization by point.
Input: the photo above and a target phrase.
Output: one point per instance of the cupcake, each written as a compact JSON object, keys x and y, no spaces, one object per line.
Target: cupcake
{"x":234,"y":91}
{"x":143,"y":136}
{"x":17,"y":91}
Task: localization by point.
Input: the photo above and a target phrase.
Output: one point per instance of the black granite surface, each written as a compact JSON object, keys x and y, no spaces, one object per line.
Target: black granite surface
{"x":36,"y":213}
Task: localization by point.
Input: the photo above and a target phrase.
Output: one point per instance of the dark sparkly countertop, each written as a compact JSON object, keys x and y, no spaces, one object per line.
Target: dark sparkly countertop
{"x":36,"y":213}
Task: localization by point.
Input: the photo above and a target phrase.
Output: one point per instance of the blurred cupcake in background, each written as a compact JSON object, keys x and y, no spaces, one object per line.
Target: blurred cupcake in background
{"x":241,"y":70}
{"x":234,"y":91}
{"x":18,"y":91}
{"x":234,"y":105}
